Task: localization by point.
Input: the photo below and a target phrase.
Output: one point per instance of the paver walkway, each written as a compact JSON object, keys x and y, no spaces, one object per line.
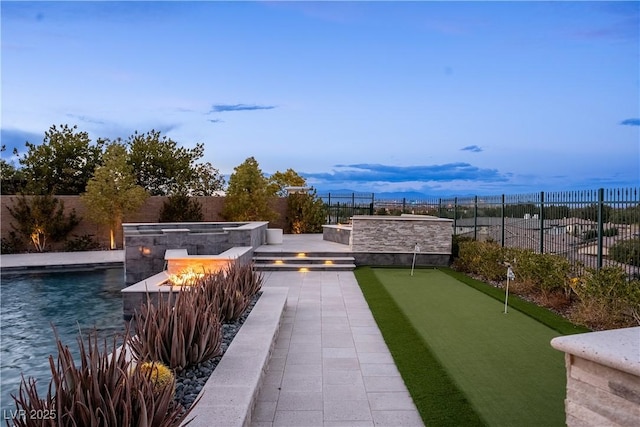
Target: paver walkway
{"x":331,"y":366}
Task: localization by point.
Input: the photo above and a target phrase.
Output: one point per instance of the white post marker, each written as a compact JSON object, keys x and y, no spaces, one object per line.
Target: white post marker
{"x":416,"y":249}
{"x":510,"y":276}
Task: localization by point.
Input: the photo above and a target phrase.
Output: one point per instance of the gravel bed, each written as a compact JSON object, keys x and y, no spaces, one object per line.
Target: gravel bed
{"x":189,"y":382}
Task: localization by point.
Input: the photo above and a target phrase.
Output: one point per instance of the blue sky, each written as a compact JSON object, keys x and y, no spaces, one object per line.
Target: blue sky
{"x":442,"y":98}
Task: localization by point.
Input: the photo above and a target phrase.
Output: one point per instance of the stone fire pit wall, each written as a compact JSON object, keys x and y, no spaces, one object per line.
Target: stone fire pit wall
{"x":145,"y":244}
{"x":390,"y":240}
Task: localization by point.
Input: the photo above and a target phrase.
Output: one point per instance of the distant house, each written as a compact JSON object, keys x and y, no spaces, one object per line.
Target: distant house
{"x":577,"y":226}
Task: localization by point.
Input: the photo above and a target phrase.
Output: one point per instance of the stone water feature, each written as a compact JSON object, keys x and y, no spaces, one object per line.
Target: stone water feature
{"x":155,"y":252}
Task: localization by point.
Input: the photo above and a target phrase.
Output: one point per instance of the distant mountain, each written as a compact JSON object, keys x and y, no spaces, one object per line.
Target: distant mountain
{"x":395,"y":195}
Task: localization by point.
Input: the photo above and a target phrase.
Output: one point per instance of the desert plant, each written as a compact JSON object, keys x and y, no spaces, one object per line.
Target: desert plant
{"x":248,"y":281}
{"x":179,"y":335}
{"x":159,"y":374}
{"x":101,"y":391}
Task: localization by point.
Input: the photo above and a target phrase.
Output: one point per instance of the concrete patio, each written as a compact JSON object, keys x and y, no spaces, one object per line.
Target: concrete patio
{"x":330,"y":366}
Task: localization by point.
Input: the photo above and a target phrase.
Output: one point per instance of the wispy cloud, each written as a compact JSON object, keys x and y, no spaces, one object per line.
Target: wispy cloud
{"x":472,"y":148}
{"x":216,"y":121}
{"x":631,"y":122}
{"x":221,"y":108}
{"x":424,"y":173}
{"x":85,"y":119}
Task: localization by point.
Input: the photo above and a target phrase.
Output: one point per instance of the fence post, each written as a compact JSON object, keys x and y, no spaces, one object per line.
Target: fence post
{"x":353,"y":204}
{"x":372,"y":203}
{"x":455,"y":212}
{"x":475,"y":218}
{"x":404,"y":204}
{"x":502,"y":215}
{"x":600,"y":225}
{"x":541,"y":222}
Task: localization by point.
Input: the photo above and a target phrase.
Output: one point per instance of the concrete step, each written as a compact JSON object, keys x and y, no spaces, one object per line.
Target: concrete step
{"x":298,"y":261}
{"x":290,"y":254}
{"x":304,"y":267}
{"x":303,"y":260}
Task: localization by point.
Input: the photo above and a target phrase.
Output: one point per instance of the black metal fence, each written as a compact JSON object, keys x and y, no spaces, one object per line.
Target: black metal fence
{"x":594,"y":228}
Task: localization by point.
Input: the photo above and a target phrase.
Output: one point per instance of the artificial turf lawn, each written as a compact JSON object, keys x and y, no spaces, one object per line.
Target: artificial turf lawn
{"x":437,"y":398}
{"x":501,"y":363}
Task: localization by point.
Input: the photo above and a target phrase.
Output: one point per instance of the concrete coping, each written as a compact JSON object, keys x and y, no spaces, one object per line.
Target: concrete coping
{"x":152,"y":284}
{"x":618,"y":348}
{"x":400,"y":218}
{"x":174,"y":230}
{"x":232,"y":253}
{"x":230,"y":394}
{"x":339,"y":226}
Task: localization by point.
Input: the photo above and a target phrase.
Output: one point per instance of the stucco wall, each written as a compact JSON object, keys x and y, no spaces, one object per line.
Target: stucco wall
{"x":149,"y":212}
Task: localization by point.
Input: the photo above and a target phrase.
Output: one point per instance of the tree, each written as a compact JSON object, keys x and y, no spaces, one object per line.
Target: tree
{"x":163,"y":168}
{"x":42,"y":219}
{"x":207,"y":180}
{"x":248,"y":194}
{"x":181,"y":208}
{"x":306,"y":213}
{"x":11,"y":181}
{"x":113,"y":192}
{"x":63,"y":163}
{"x":279,"y":181}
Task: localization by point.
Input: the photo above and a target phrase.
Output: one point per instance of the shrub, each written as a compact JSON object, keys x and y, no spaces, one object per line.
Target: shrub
{"x":306,"y":213}
{"x":546,"y":273}
{"x":179,"y":335}
{"x":181,"y":208}
{"x":102,"y":390}
{"x":86,"y":242}
{"x":485,"y":259}
{"x":42,"y":218}
{"x":12,"y":244}
{"x":626,"y":252}
{"x":607,"y":299}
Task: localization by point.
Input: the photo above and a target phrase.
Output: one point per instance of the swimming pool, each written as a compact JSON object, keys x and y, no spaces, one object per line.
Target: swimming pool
{"x":71,"y":301}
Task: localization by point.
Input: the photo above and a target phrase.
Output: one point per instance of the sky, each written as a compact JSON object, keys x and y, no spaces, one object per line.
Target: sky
{"x":436,"y":98}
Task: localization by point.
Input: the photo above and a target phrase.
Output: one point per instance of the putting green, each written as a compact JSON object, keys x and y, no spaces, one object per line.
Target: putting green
{"x":503,"y":363}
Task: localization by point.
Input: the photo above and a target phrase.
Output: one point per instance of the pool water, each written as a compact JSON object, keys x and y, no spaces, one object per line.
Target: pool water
{"x":71,"y":301}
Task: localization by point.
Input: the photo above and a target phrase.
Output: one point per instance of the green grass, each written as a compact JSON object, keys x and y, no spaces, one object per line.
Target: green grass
{"x":450,"y":340}
{"x":437,"y":398}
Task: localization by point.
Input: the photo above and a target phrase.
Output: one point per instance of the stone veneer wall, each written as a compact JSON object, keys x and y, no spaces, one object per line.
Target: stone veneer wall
{"x":603,"y":377}
{"x":391,"y":240}
{"x":378,"y":233}
{"x":337,"y":233}
{"x":145,"y":244}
